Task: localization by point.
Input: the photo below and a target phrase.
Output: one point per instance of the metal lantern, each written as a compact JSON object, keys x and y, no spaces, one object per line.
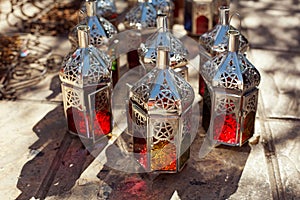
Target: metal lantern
{"x":160,"y":106}
{"x":86,"y":88}
{"x":163,"y":37}
{"x":216,"y":5}
{"x":216,"y":40}
{"x":100,"y":28}
{"x":232,"y":82}
{"x":198,"y":16}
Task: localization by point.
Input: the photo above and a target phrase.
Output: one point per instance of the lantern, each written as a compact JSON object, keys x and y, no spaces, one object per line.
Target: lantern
{"x":198,"y":16}
{"x":163,"y":37}
{"x":216,"y":5}
{"x":160,"y":106}
{"x":86,"y":88}
{"x":141,"y":16}
{"x":215,"y":42}
{"x":232,"y":82}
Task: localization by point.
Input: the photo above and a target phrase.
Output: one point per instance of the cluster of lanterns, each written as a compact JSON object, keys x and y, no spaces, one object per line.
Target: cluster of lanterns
{"x":160,"y":104}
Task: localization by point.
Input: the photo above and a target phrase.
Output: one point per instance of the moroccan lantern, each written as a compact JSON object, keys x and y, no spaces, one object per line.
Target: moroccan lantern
{"x":215,"y":42}
{"x":86,"y":88}
{"x":232,"y":82}
{"x":163,"y":37}
{"x":141,"y":16}
{"x":160,"y":107}
{"x":198,"y":16}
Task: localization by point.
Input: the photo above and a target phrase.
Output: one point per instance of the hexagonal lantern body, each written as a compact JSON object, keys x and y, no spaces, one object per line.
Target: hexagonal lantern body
{"x":86,"y":88}
{"x":160,"y":107}
{"x":163,"y":37}
{"x":100,"y":28}
{"x":215,"y":42}
{"x":232,"y":82}
{"x":198,"y":16}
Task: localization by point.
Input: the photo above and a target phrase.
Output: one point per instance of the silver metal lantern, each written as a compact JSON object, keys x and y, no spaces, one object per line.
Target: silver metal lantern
{"x":160,"y":107}
{"x":216,"y":40}
{"x":86,"y":88}
{"x":163,"y":37}
{"x":198,"y":16}
{"x":100,"y":28}
{"x":232,"y":82}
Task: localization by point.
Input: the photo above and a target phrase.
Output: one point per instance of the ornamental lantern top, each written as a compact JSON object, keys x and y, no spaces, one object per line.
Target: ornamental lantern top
{"x":143,"y":15}
{"x":100,"y":28}
{"x":216,"y":40}
{"x":162,"y":90}
{"x":163,"y":37}
{"x":86,"y":65}
{"x":105,"y":8}
{"x":232,"y":70}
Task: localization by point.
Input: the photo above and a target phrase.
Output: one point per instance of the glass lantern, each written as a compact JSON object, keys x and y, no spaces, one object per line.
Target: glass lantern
{"x":215,"y":42}
{"x":86,"y":88}
{"x":163,"y":37}
{"x":141,"y":16}
{"x":160,"y":107}
{"x":198,"y":16}
{"x":233,"y":85}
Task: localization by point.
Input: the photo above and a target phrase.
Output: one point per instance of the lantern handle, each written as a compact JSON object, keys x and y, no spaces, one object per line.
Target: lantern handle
{"x":239,"y":17}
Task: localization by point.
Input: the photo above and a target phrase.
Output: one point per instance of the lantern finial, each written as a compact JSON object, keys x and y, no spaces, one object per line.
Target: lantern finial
{"x":224,"y":15}
{"x":233,"y":44}
{"x":162,"y":58}
{"x":90,"y":7}
{"x":83,"y":32}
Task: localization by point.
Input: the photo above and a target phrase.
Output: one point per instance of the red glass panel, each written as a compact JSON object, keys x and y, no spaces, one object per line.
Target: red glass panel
{"x":225,"y":129}
{"x":76,"y":121}
{"x":163,"y":156}
{"x":202,"y":24}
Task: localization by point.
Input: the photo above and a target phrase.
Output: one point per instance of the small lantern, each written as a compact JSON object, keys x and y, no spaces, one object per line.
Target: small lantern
{"x":232,"y":81}
{"x":216,"y":40}
{"x":198,"y":16}
{"x":141,"y":16}
{"x":86,"y":88}
{"x":163,"y":37}
{"x":160,"y":106}
{"x":100,"y":28}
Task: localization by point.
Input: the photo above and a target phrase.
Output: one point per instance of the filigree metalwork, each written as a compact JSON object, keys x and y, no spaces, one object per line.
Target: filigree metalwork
{"x":225,"y":105}
{"x":73,"y":99}
{"x":163,"y":131}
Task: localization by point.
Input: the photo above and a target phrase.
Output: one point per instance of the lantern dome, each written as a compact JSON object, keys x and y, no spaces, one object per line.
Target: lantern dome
{"x":216,"y":40}
{"x":143,"y":15}
{"x":163,"y":90}
{"x":86,"y":65}
{"x":163,"y":37}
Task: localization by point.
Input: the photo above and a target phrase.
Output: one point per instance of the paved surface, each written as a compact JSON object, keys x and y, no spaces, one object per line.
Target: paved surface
{"x":39,"y":160}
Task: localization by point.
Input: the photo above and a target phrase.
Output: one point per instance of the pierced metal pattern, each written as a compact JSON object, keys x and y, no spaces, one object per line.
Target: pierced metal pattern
{"x":251,"y":76}
{"x":139,"y":123}
{"x":251,"y":104}
{"x":71,"y":69}
{"x":187,"y":122}
{"x":102,"y":100}
{"x":142,"y":15}
{"x":163,"y":131}
{"x":73,"y":99}
{"x":229,"y":78}
{"x":209,"y":69}
{"x":166,"y":99}
{"x":225,"y":105}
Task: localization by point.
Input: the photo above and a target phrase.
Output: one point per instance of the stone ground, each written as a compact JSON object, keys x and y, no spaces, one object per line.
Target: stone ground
{"x":39,"y":160}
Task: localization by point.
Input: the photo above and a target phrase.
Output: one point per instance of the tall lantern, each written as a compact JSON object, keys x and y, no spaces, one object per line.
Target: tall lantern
{"x":160,"y":106}
{"x":163,"y":37}
{"x":86,"y":88}
{"x":232,"y":81}
{"x":215,"y":42}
